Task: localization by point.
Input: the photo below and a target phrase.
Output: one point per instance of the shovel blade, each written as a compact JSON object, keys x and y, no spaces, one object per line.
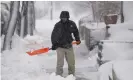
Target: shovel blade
{"x":39,"y":51}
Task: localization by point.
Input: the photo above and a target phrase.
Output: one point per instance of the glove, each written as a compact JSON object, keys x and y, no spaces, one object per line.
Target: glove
{"x":78,"y":42}
{"x":54,"y":47}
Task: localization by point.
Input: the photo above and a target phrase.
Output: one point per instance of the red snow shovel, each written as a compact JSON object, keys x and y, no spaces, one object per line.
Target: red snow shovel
{"x":43,"y":50}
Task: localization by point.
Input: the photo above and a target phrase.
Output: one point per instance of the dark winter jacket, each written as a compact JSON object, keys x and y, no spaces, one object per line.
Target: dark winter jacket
{"x":62,"y":33}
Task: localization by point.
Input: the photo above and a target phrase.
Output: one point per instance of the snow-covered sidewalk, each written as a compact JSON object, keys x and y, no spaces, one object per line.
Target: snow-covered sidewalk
{"x":21,"y":66}
{"x":18,"y":65}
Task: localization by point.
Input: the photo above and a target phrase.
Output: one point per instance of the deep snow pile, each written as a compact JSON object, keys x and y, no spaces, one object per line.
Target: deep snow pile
{"x":93,"y":25}
{"x":25,"y":67}
{"x":122,"y":47}
{"x":128,"y":11}
{"x":123,"y":70}
{"x":18,"y":65}
{"x":34,"y":42}
{"x":97,"y":30}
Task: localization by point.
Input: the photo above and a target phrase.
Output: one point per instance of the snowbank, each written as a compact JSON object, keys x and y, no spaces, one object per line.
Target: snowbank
{"x":17,"y":64}
{"x":36,"y":39}
{"x":54,"y":77}
{"x":25,"y":67}
{"x":93,"y":56}
{"x":128,"y":11}
{"x":29,"y":42}
{"x":94,"y":25}
{"x":120,"y":50}
{"x":122,"y":47}
{"x":97,"y":30}
{"x":127,"y":26}
{"x":123,"y":70}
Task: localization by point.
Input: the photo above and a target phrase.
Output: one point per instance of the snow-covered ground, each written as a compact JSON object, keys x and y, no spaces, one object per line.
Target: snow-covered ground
{"x":122,"y":47}
{"x":18,"y":65}
{"x":119,"y":69}
{"x":119,"y":49}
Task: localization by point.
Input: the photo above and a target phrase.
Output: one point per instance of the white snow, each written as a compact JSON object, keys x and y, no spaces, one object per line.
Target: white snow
{"x":93,"y":25}
{"x":97,"y":31}
{"x":25,"y":67}
{"x":18,"y":65}
{"x":36,"y":39}
{"x":123,"y":70}
{"x":128,"y":11}
{"x":120,"y":50}
{"x":111,"y":14}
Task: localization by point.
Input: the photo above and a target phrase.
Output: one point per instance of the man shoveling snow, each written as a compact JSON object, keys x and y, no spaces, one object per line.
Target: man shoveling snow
{"x":61,"y":39}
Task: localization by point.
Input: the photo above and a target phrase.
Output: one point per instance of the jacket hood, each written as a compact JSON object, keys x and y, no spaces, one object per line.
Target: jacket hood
{"x":64,"y":14}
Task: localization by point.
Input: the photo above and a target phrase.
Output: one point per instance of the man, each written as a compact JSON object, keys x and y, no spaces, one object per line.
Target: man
{"x":62,"y":42}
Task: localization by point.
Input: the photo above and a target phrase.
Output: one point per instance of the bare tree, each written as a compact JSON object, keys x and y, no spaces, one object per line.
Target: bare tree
{"x":33,"y":16}
{"x":23,"y":28}
{"x":26,"y":20}
{"x":5,"y":14}
{"x":22,"y":18}
{"x":30,"y":17}
{"x":93,"y":6}
{"x":11,"y":25}
{"x":51,"y":10}
{"x":122,"y":16}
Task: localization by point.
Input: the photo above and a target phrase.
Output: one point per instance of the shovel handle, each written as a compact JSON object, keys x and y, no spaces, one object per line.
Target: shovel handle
{"x":43,"y":50}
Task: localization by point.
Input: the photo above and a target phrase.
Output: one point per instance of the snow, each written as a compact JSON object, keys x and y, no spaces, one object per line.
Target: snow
{"x":128,"y":11}
{"x":97,"y":31}
{"x":121,"y":32}
{"x":92,"y":25}
{"x":122,"y":45}
{"x":123,"y":69}
{"x":26,"y":67}
{"x":54,"y":77}
{"x":36,"y":39}
{"x":111,"y":14}
{"x":18,"y":65}
{"x":118,"y":50}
